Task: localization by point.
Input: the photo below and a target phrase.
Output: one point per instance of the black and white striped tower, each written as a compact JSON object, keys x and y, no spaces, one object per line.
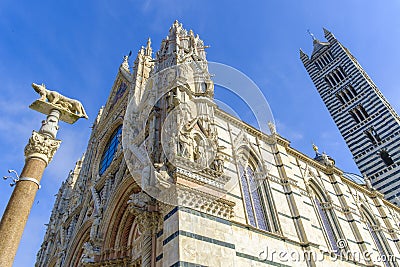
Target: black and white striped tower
{"x":367,"y":122}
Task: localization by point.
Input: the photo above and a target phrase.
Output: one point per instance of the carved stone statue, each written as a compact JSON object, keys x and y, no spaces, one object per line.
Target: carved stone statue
{"x":94,"y":230}
{"x":186,"y":140}
{"x":89,"y":251}
{"x":63,"y":102}
{"x":200,"y":155}
{"x":138,"y":201}
{"x":326,"y":160}
{"x":219,"y":160}
{"x":125,"y":63}
{"x":368,"y":182}
{"x":162,"y":176}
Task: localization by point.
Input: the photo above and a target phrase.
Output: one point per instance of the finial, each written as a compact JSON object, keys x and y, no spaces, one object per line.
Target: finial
{"x":148,"y":51}
{"x":312,"y":35}
{"x":315,"y":148}
{"x":272,"y":127}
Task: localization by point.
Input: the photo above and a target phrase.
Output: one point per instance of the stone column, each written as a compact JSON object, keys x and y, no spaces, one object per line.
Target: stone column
{"x":147,"y":217}
{"x":148,"y":227}
{"x":38,"y":153}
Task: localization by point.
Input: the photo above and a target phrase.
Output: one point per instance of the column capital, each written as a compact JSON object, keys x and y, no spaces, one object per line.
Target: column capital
{"x":146,"y":213}
{"x":41,"y":146}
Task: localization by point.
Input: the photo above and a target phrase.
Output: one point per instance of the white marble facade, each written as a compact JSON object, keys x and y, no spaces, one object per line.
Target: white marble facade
{"x":237,"y":196}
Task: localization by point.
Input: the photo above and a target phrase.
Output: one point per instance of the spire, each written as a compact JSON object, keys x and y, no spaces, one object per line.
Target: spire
{"x":303,"y":56}
{"x":148,"y":50}
{"x":180,"y":46}
{"x":328,"y":35}
{"x":318,"y":45}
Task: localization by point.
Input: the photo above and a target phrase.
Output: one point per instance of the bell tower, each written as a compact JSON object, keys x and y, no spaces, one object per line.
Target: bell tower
{"x":365,"y":119}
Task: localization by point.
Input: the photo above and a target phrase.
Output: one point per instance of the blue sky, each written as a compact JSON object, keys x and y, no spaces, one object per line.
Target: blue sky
{"x":76,"y":47}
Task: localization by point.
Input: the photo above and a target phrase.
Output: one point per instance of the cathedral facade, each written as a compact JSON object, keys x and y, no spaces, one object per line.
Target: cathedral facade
{"x":170,"y":179}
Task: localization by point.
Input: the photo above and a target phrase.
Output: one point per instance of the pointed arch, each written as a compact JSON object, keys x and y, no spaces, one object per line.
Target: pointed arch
{"x":327,"y":217}
{"x":257,"y":197}
{"x":74,"y":254}
{"x":117,"y":222}
{"x":378,"y":236}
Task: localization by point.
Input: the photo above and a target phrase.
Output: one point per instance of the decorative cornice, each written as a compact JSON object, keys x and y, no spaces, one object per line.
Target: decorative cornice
{"x":203,"y":202}
{"x":41,"y":146}
{"x":217,"y":183}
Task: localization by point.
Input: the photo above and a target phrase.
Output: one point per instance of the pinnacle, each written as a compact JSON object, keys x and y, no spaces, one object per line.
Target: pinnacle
{"x":149,"y":50}
{"x":326,"y":32}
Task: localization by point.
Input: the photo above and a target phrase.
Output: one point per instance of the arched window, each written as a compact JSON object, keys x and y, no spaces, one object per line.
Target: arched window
{"x":328,"y":221}
{"x":110,"y":150}
{"x":260,"y":208}
{"x":252,"y":198}
{"x":379,"y":239}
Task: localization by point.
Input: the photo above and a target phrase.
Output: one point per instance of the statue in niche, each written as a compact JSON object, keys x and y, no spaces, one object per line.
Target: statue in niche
{"x":89,"y":211}
{"x":200,"y":151}
{"x":219,"y":160}
{"x":172,"y":149}
{"x":185,"y":139}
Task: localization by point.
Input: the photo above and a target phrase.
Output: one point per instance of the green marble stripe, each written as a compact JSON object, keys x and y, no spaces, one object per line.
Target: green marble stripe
{"x":317,"y":227}
{"x":278,"y":190}
{"x":233,"y":195}
{"x":204,"y":215}
{"x":253,"y":258}
{"x":198,"y":237}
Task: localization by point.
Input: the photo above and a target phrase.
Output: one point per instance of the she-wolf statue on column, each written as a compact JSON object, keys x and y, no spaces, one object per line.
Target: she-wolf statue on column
{"x":55,"y":98}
